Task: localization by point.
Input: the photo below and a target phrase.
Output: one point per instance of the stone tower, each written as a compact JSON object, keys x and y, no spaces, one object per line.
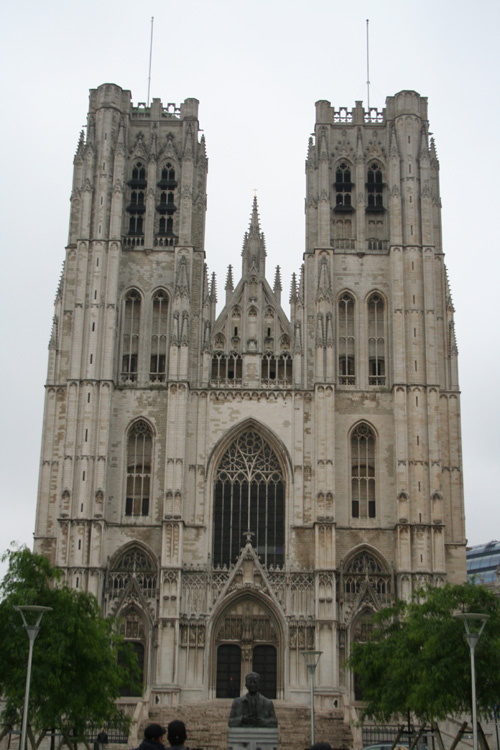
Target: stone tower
{"x":239,"y":487}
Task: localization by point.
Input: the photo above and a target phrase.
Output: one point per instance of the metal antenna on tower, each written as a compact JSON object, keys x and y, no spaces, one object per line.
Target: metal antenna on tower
{"x":150,"y":56}
{"x":368,"y":61}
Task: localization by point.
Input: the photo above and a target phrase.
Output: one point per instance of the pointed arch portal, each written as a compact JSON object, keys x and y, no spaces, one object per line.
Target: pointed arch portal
{"x":247,"y":637}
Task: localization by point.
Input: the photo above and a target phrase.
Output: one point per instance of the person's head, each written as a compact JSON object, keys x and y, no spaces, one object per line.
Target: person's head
{"x":176,"y":732}
{"x":154,"y":732}
{"x":321,"y":746}
{"x":252,"y":681}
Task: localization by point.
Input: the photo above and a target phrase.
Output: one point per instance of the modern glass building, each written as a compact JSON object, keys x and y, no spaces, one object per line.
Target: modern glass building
{"x":483,"y":563}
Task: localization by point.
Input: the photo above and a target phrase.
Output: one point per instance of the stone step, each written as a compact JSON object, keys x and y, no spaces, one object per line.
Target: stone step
{"x":206,"y":724}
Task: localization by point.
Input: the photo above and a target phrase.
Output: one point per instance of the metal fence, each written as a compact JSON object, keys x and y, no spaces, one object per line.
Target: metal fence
{"x":387,"y":733}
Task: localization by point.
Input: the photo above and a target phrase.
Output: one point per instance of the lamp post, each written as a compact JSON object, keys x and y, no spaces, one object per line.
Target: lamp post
{"x":474,"y":624}
{"x":311,"y":659}
{"x":32,"y":631}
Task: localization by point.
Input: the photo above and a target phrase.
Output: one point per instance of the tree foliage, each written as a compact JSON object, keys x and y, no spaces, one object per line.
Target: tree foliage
{"x":418,"y":659}
{"x":76,"y":676}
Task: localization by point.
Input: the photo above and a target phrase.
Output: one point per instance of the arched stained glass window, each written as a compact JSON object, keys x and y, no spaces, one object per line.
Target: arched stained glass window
{"x":159,"y":332}
{"x":139,"y":453}
{"x":374,"y":187}
{"x":130,"y":336}
{"x":346,"y":340}
{"x":249,"y":496}
{"x":343,"y":187}
{"x":376,"y":340}
{"x":363,"y":472}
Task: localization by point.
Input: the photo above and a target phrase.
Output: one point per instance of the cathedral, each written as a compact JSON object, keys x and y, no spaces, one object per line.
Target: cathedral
{"x":243,"y":485}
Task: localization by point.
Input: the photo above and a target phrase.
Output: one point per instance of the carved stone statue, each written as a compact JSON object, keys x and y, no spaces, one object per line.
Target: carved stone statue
{"x":252,"y":709}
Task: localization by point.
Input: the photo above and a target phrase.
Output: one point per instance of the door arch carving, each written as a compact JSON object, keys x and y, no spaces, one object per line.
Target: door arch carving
{"x":250,"y":624}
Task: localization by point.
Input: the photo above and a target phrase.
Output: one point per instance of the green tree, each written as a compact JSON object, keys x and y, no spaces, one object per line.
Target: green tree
{"x":76,"y":675}
{"x":417,"y":657}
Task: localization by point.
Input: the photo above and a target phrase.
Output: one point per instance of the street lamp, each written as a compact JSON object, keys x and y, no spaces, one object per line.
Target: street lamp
{"x":474,"y":624}
{"x":311,"y":659}
{"x":32,"y":631}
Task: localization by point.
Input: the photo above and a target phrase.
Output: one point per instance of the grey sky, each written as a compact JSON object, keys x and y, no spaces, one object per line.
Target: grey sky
{"x":257,"y":68}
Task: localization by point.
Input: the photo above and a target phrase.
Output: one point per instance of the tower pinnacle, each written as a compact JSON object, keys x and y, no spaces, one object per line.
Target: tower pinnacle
{"x":254,"y":249}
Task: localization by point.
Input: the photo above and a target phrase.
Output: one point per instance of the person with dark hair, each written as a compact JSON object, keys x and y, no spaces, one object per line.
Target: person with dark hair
{"x":177,"y":735}
{"x":101,"y":739}
{"x":321,"y":746}
{"x":153,"y":738}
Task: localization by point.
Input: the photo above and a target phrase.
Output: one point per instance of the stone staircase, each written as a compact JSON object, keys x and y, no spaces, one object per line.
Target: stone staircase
{"x":206,"y":724}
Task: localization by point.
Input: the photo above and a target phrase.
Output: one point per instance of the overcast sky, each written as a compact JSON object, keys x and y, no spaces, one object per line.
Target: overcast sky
{"x":257,"y":68}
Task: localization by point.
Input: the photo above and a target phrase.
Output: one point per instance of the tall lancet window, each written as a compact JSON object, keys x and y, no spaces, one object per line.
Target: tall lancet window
{"x":343,"y":187}
{"x":346,"y":340}
{"x":130,"y":337}
{"x":249,"y":496}
{"x":363,"y":472}
{"x":137,"y":207}
{"x":376,"y":341}
{"x":374,"y":188}
{"x":139,"y":452}
{"x":158,"y":362}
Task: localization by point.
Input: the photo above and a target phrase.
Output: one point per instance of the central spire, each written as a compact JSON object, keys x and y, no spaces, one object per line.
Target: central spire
{"x":254,"y":247}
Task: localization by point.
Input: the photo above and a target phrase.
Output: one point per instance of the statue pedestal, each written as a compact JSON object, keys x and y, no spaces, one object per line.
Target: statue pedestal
{"x":252,"y":738}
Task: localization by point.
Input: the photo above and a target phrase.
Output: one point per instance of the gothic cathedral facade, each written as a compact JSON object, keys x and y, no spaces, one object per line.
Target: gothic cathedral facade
{"x":239,"y":487}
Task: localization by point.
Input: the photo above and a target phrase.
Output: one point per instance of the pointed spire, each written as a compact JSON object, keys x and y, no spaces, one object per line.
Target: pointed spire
{"x":277,"y":288}
{"x":229,"y":283}
{"x":254,"y":246}
{"x":300,"y":296}
{"x":434,"y":155}
{"x":80,"y":146}
{"x":203,"y":148}
{"x":424,"y":147}
{"x":206,"y":292}
{"x":277,"y":280}
{"x":293,"y":289}
{"x":254,"y":219}
{"x":91,"y":130}
{"x":213,"y":288}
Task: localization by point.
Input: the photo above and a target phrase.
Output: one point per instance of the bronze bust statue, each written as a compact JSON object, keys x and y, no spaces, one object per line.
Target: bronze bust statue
{"x":252,"y":709}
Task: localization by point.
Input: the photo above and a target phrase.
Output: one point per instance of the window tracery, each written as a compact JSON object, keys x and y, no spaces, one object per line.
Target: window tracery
{"x":365,"y":568}
{"x":343,"y":187}
{"x":276,"y":370}
{"x":363,"y":472}
{"x":159,"y":332}
{"x":374,"y":188}
{"x":166,"y":203}
{"x":249,"y":494}
{"x":346,"y":340}
{"x":139,"y":454}
{"x":130,"y":336}
{"x":227,"y":369}
{"x":136,"y":207}
{"x":133,"y":563}
{"x":376,"y":341}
